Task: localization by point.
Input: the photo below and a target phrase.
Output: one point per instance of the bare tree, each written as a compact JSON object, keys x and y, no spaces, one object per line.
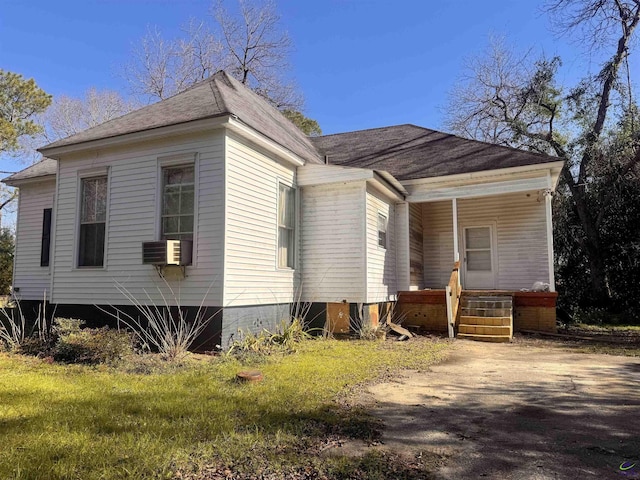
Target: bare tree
{"x":259,"y":50}
{"x":69,"y":115}
{"x":250,"y":45}
{"x":508,"y":100}
{"x":160,"y":68}
{"x":488,"y":99}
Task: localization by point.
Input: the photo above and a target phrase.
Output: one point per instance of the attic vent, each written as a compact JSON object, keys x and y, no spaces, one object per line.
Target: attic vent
{"x":167,"y":252}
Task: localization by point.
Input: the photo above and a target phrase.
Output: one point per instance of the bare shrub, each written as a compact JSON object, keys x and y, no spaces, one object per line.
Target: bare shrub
{"x":162,"y":328}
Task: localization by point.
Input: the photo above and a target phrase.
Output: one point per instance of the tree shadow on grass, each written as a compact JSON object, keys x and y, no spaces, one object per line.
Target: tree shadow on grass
{"x":236,"y":429}
{"x":580,"y":424}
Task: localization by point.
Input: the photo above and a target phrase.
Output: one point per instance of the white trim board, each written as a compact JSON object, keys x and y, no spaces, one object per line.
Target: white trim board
{"x":436,"y":194}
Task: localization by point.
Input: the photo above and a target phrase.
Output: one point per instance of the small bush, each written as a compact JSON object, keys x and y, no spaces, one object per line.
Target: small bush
{"x":35,"y":346}
{"x":93,"y":346}
{"x":67,"y":326}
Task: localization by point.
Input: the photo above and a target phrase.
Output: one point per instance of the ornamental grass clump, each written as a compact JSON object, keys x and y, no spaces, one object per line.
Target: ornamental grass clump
{"x":285,"y":339}
{"x":17,"y":334}
{"x":163,"y":328}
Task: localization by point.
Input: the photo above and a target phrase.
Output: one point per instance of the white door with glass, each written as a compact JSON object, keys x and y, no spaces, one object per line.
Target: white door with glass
{"x":479,"y":257}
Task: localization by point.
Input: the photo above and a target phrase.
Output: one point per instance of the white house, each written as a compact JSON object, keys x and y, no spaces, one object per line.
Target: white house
{"x":273,"y":217}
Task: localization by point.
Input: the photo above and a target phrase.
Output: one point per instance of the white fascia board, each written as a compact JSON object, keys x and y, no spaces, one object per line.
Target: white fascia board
{"x":312,"y":175}
{"x":322,"y":174}
{"x":462,"y":177}
{"x":435,"y":193}
{"x":384,"y":185}
{"x":393,"y":182}
{"x":319,"y":174}
{"x":236,"y":125}
{"x":145,"y":135}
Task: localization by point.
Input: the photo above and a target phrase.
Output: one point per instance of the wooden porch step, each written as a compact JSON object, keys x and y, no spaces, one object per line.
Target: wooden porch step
{"x":485,"y":338}
{"x":486,"y":304}
{"x":485,"y":329}
{"x":485,"y":312}
{"x":485,"y":321}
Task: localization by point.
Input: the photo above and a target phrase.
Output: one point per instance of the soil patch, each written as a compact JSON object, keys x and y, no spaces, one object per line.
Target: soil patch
{"x":514,"y":411}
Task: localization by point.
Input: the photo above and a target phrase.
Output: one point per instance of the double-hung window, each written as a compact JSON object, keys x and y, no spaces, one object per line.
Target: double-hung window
{"x":286,"y":227}
{"x":178,"y":202}
{"x":382,"y":230}
{"x":93,"y":217}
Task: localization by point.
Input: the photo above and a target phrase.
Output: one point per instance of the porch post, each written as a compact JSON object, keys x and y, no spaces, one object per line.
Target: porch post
{"x":403,"y":261}
{"x":548,"y":195}
{"x":456,"y":249}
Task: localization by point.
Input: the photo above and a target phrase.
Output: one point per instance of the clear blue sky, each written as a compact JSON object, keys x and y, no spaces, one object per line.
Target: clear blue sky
{"x":359,"y":63}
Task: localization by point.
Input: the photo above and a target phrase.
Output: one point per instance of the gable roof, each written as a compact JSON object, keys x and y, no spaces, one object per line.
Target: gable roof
{"x":43,"y":168}
{"x":409,"y":152}
{"x":219,"y":95}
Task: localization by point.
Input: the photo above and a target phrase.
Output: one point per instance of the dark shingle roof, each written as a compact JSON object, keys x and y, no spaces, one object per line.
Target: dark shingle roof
{"x":44,"y":167}
{"x":219,"y":95}
{"x":410,"y":152}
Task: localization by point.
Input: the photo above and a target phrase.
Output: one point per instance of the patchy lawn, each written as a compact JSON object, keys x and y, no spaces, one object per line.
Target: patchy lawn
{"x":195,"y":421}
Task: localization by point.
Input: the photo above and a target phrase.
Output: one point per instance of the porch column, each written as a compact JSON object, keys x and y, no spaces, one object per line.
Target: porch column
{"x":403,"y":261}
{"x":456,"y":248}
{"x":548,"y":195}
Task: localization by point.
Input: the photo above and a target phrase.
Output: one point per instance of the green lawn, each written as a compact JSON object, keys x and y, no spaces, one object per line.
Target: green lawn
{"x":74,"y":422}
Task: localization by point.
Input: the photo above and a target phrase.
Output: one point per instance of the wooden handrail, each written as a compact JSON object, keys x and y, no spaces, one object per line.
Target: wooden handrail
{"x":453,"y":289}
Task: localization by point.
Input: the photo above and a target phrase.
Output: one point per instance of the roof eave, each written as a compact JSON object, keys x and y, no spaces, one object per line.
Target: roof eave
{"x":553,"y":165}
{"x":250,"y":133}
{"x":22,"y":181}
{"x":391,"y":182}
{"x":143,"y":135}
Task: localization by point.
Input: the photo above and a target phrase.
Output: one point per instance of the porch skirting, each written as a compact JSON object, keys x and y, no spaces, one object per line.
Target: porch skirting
{"x":427,"y":310}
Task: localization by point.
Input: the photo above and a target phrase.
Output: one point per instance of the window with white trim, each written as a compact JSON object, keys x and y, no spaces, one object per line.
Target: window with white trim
{"x":178,"y":198}
{"x":286,"y":226}
{"x":93,"y":219}
{"x":382,"y":230}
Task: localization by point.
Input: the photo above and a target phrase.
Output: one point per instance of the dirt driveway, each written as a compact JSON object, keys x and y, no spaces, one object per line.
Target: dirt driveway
{"x":515,"y":411}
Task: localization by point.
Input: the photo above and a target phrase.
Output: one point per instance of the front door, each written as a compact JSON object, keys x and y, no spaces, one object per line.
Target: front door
{"x":479,"y":257}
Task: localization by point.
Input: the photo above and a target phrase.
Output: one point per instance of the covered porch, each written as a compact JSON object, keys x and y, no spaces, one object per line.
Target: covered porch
{"x":473,"y":244}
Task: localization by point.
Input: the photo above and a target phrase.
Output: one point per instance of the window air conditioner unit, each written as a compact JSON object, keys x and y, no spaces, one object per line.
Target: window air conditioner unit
{"x":167,"y":252}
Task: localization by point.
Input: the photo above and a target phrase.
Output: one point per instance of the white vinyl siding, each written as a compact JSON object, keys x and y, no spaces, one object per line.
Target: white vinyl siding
{"x":32,"y":279}
{"x":381,"y":261}
{"x":333,"y":242}
{"x":133,"y":217}
{"x":252,"y":276}
{"x":437,"y":221}
{"x":521,"y":238}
